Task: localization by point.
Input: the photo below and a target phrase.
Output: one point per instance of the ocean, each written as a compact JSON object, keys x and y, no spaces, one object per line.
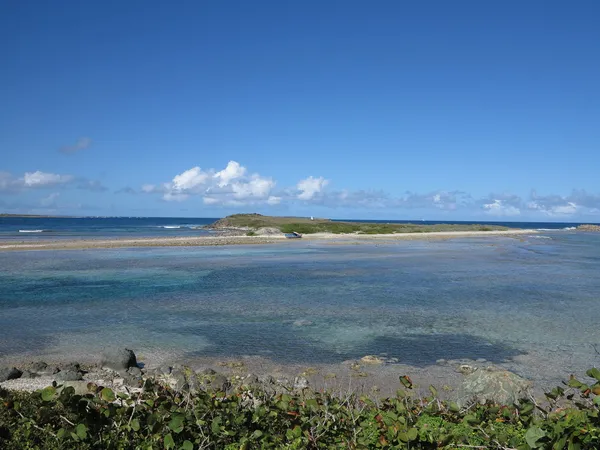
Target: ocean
{"x":37,"y":228}
{"x":528,"y":303}
{"x":33,"y":228}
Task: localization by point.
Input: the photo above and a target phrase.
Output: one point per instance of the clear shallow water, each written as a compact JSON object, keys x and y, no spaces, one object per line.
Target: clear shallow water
{"x":527,"y":303}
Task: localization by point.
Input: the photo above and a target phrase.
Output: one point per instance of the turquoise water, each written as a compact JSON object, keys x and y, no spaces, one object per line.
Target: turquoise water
{"x":525,"y":303}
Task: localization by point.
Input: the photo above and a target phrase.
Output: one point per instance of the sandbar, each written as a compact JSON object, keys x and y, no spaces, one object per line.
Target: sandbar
{"x":201,"y":241}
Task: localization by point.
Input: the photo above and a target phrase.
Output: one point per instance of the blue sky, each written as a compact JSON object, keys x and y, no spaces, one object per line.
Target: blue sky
{"x":387,"y":109}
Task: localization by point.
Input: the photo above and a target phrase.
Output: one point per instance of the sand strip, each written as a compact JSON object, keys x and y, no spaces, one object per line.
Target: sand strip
{"x":201,"y":241}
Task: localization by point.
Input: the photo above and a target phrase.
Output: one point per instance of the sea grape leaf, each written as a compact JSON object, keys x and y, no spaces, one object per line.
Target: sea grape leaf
{"x":107,"y":395}
{"x":169,"y":442}
{"x":81,"y":431}
{"x":176,"y":423}
{"x":48,"y":393}
{"x":533,"y":435}
{"x":135,"y":425}
{"x":594,"y":373}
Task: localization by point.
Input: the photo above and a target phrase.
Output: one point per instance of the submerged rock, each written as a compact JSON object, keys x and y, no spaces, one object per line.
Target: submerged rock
{"x":466,"y":369}
{"x":118,"y":359}
{"x":492,"y":385}
{"x":300,"y":383}
{"x":41,"y":367}
{"x":68,"y":375}
{"x":10,"y":373}
{"x":135,"y":372}
{"x":29,"y":374}
{"x":372,"y":359}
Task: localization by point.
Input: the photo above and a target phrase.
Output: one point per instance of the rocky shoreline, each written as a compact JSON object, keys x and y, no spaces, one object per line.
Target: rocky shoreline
{"x":588,"y":227}
{"x":371,"y":375}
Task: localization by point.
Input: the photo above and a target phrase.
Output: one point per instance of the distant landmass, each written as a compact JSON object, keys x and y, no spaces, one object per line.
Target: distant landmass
{"x":257,"y":222}
{"x":37,"y":216}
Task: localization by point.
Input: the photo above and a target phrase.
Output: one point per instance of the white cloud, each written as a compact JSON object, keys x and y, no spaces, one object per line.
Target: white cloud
{"x":566,"y":209}
{"x":274,"y":200}
{"x":190,"y":179}
{"x":210,"y":200}
{"x":255,"y":187}
{"x":81,"y":144}
{"x":230,"y":186}
{"x":235,"y":186}
{"x":41,"y":179}
{"x":310,"y":187}
{"x":500,"y":208}
{"x":233,"y":171}
{"x":569,"y":208}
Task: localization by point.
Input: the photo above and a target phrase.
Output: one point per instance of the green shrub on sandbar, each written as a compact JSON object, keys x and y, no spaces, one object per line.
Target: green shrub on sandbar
{"x":160,"y":418}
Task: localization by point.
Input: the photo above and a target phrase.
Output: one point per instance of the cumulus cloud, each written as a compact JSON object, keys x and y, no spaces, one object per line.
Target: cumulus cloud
{"x":235,"y":186}
{"x":273,"y":200}
{"x":232,"y":185}
{"x":190,"y":179}
{"x":42,"y":179}
{"x":311,"y":187}
{"x":233,"y":171}
{"x":500,"y":208}
{"x":578,"y":202}
{"x":81,"y":144}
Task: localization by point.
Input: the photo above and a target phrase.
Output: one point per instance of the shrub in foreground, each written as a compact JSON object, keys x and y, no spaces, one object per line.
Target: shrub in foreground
{"x":160,"y":418}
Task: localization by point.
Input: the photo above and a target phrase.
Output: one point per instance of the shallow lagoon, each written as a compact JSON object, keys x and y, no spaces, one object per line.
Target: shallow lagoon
{"x":527,"y":303}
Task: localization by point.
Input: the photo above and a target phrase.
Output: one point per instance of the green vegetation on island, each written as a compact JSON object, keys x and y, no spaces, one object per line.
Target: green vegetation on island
{"x":158,"y":417}
{"x":309,"y":226}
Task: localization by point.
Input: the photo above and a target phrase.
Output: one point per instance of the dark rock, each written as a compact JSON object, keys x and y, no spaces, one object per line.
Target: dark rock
{"x":29,"y":374}
{"x":71,"y":367}
{"x":133,"y":381}
{"x":180,"y":381}
{"x":10,"y":373}
{"x":135,"y":372}
{"x":39,"y":367}
{"x":266,"y":379}
{"x":207,"y":371}
{"x":165,"y":370}
{"x":68,"y":375}
{"x":118,"y":359}
{"x":250,"y":380}
{"x":219,"y":383}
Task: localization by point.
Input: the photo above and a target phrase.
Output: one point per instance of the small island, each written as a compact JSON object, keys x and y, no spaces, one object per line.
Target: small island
{"x":259,"y":224}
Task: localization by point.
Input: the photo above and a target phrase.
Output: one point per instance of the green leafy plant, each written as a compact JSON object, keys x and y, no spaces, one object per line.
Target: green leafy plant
{"x":160,"y":418}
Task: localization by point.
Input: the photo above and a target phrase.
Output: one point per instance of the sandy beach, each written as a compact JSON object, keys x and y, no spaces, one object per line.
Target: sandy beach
{"x":202,"y":241}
